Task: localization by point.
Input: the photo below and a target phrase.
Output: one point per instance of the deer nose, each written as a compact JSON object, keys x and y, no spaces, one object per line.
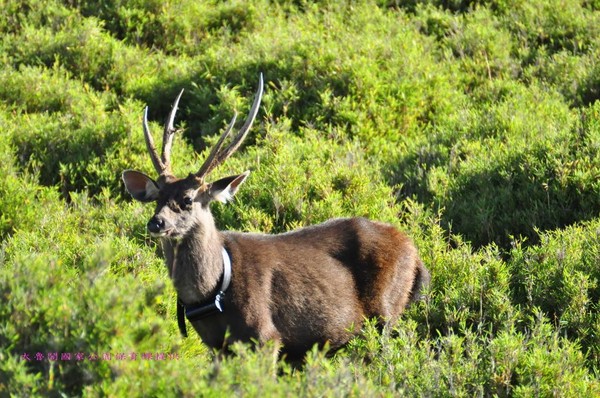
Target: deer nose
{"x":155,"y":225}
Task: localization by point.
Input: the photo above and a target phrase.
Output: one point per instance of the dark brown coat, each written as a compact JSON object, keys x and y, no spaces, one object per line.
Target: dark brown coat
{"x":318,"y":284}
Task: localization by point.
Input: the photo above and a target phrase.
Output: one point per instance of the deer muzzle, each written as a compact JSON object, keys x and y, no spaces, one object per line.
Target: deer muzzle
{"x":158,"y":227}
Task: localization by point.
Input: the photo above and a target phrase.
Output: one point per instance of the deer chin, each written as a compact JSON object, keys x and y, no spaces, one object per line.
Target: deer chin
{"x":163,"y":234}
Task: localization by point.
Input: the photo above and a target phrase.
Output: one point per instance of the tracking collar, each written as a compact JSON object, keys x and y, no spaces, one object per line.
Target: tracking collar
{"x":206,"y":309}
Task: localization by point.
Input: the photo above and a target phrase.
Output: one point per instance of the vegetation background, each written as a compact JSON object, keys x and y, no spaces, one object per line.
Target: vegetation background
{"x":472,"y":125}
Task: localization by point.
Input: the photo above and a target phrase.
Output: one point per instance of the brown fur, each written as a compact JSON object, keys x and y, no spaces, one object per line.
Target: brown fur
{"x":318,"y":284}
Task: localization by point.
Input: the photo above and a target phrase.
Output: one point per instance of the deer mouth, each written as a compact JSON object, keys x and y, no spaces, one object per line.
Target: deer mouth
{"x":162,"y":234}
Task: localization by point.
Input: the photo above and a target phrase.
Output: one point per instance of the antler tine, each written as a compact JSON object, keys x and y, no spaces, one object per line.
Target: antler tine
{"x":168,"y":135}
{"x":239,"y":138}
{"x":216,"y":156}
{"x":209,"y":163}
{"x":158,"y":164}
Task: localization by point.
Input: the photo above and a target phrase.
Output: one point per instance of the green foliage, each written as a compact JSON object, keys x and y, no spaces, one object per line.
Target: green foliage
{"x":474,"y":364}
{"x":297,"y":181}
{"x":561,"y":278}
{"x":472,"y":125}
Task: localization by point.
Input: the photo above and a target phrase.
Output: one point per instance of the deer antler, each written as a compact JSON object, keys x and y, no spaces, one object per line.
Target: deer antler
{"x":168,"y":135}
{"x":162,"y":164}
{"x":218,"y":156}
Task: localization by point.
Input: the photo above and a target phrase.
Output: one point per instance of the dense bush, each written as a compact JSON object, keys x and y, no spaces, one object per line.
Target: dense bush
{"x":473,"y":126}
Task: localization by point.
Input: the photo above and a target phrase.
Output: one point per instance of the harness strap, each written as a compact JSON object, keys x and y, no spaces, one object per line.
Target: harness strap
{"x":181,"y":318}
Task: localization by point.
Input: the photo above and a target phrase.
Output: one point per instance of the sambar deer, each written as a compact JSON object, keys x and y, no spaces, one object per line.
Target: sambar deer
{"x":314,"y":285}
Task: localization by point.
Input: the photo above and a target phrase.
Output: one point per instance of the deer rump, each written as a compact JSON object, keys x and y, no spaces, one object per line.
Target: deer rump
{"x":315,"y":285}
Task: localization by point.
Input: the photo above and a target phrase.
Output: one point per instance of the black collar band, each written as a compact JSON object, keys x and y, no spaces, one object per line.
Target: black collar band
{"x":206,"y":309}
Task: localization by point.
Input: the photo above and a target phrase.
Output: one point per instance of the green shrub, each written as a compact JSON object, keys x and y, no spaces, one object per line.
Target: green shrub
{"x":553,"y":25}
{"x":55,"y":308}
{"x":79,"y":46}
{"x":300,"y":181}
{"x":468,"y":364}
{"x":509,"y":167}
{"x":21,"y":200}
{"x":17,"y":14}
{"x":561,"y":277}
{"x":483,"y":47}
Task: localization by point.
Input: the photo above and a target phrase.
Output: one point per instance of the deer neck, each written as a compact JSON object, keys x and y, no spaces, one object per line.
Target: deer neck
{"x":195,"y":262}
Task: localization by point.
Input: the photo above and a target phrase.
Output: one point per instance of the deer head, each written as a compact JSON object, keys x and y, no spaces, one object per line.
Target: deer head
{"x":182,"y":203}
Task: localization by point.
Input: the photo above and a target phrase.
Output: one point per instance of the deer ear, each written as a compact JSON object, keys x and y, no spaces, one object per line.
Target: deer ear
{"x":140,"y":186}
{"x":224,"y":189}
